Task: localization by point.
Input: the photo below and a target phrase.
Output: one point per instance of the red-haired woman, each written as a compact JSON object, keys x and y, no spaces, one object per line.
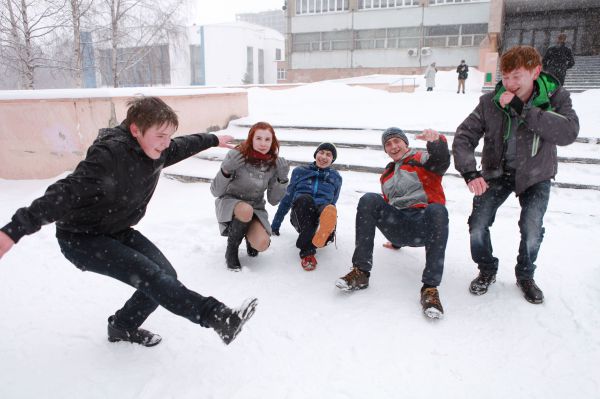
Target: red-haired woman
{"x":247,"y":171}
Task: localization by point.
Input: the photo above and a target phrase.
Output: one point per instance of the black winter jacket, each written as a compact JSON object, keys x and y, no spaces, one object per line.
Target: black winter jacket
{"x":557,"y":60}
{"x":108,"y":191}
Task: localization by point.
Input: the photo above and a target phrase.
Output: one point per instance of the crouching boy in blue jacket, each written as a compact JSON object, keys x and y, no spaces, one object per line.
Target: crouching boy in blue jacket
{"x":312,"y":193}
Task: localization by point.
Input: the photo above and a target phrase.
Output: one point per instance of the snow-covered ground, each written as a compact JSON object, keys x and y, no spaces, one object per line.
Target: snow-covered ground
{"x":307,"y":339}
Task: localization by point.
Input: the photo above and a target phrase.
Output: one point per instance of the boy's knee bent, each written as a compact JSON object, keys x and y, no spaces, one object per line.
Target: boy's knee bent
{"x":304,"y":200}
{"x":437,"y":212}
{"x":369,"y":200}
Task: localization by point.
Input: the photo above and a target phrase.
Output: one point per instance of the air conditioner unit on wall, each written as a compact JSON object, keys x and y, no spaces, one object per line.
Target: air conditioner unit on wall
{"x":413,"y":52}
{"x":425,"y":51}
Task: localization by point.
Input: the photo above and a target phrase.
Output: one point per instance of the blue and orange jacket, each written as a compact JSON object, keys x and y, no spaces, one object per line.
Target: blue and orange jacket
{"x":322,"y":184}
{"x":415,"y":181}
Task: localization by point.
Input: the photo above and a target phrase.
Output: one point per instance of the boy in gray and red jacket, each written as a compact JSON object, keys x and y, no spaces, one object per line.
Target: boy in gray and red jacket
{"x":411,"y":212}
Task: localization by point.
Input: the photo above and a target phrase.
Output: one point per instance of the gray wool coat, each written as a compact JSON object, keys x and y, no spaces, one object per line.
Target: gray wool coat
{"x":247,"y":184}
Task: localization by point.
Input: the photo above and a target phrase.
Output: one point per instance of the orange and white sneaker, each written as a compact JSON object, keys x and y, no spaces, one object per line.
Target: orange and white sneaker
{"x":327,"y":222}
{"x":309,"y":263}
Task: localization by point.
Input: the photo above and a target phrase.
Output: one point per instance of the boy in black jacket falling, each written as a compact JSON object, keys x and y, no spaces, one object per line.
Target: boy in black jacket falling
{"x":96,"y":205}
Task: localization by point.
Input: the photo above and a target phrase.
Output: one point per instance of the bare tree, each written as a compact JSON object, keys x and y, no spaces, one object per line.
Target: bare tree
{"x":78,"y":10}
{"x":24,"y":27}
{"x":136,"y":29}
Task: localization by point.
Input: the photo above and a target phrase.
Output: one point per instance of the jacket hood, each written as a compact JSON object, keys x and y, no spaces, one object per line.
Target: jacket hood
{"x":544,"y":87}
{"x":119,"y":133}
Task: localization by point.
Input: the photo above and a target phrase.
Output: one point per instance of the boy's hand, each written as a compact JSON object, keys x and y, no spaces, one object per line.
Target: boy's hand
{"x":225,"y":141}
{"x":428,"y":135}
{"x":506,"y":98}
{"x":6,"y":243}
{"x":477,"y":186}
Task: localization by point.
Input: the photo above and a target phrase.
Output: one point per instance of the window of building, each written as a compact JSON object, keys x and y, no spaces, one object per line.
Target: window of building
{"x":261,"y":66}
{"x":277,"y":54}
{"x":321,"y":6}
{"x":197,"y":65}
{"x":281,"y":74}
{"x":370,"y":4}
{"x":438,"y":2}
{"x":249,"y":76}
{"x":409,"y":37}
{"x":322,"y":41}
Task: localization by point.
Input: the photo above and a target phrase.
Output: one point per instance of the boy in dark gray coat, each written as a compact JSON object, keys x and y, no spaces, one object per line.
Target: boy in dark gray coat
{"x":522,"y":122}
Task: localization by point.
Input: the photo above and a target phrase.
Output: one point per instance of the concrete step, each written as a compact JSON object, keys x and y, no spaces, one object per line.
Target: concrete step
{"x":190,"y":175}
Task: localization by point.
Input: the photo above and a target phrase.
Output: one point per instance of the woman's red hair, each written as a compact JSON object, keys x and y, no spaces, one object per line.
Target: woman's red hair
{"x":246,"y":147}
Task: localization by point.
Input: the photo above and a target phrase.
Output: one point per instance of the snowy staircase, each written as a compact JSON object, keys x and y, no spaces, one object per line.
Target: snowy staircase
{"x":585,"y":75}
{"x":360,"y":150}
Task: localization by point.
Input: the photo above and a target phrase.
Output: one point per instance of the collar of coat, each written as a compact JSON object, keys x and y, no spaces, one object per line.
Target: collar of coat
{"x":544,"y":88}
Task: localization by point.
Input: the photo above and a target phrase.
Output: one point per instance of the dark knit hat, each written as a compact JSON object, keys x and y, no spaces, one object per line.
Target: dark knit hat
{"x":393,"y":132}
{"x":327,"y":147}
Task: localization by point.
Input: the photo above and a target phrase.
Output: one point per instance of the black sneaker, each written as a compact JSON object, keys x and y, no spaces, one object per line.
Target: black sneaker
{"x":355,"y":280}
{"x":430,"y":301}
{"x":531,"y":291}
{"x":480,"y":285}
{"x":135,"y":336}
{"x":229,"y":322}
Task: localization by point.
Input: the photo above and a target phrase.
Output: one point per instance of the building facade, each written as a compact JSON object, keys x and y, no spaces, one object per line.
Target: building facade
{"x":342,"y":38}
{"x":274,"y":19}
{"x":227,"y":54}
{"x":328,"y":39}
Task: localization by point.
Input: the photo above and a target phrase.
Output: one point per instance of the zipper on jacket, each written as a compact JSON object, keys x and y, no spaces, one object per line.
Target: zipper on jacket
{"x":316,"y":184}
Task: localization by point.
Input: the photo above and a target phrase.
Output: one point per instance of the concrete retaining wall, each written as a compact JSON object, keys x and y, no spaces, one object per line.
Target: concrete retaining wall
{"x":43,"y":137}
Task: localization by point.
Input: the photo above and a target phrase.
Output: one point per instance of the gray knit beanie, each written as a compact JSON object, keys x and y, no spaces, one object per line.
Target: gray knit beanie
{"x":393,"y":132}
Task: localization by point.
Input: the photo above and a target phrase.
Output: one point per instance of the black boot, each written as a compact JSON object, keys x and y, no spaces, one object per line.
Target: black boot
{"x":135,"y":336}
{"x":531,"y":291}
{"x":480,"y":285}
{"x":229,"y":322}
{"x":251,"y":251}
{"x":237,"y":231}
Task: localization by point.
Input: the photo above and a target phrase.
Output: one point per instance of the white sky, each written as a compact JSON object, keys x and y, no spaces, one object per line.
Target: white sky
{"x":211,"y":11}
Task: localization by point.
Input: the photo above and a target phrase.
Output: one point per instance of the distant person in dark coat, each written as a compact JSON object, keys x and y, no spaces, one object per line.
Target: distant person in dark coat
{"x":463,"y":74}
{"x":558,"y":59}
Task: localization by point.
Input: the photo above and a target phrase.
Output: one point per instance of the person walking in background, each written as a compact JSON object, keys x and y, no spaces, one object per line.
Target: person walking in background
{"x":430,"y":76}
{"x":411,"y":213}
{"x":522,"y":122}
{"x":247,"y":171}
{"x":312,"y":194}
{"x":463,"y":74}
{"x":95,"y":206}
{"x":558,"y":59}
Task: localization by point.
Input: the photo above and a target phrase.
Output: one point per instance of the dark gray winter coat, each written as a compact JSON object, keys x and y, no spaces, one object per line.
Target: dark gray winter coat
{"x":548,"y":122}
{"x":109,"y":190}
{"x":247,"y":184}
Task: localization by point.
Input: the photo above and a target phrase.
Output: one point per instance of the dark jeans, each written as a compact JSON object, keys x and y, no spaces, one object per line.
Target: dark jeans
{"x":534,"y":202}
{"x":305,"y":219}
{"x":412,"y":227}
{"x":132,"y":259}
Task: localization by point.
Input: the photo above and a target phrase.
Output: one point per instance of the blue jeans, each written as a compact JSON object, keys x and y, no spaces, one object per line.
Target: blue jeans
{"x":533,"y":201}
{"x":412,"y":227}
{"x":132,"y":259}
